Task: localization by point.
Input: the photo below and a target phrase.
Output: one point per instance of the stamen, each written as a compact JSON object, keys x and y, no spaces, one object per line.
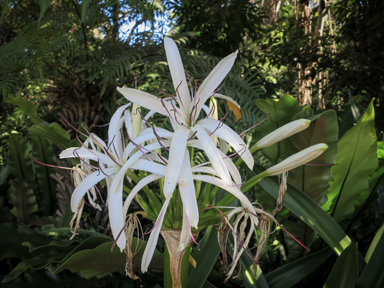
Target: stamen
{"x":69,"y":124}
{"x":190,"y":232}
{"x":218,"y":89}
{"x":242,"y":133}
{"x":229,"y":156}
{"x":193,"y":135}
{"x":48,"y":165}
{"x":140,"y":148}
{"x":166,"y":109}
{"x":212,"y":110}
{"x":101,"y":197}
{"x":220,"y":124}
{"x":162,"y":158}
{"x":117,"y":102}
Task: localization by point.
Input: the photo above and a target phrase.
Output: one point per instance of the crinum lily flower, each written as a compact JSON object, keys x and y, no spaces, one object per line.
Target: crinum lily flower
{"x":183,"y":112}
{"x":111,"y":160}
{"x":187,"y":192}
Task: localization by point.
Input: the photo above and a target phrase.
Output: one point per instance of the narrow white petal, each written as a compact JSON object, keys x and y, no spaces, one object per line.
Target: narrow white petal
{"x":140,"y":185}
{"x":145,"y":99}
{"x":212,"y":153}
{"x":83,"y":153}
{"x":116,"y":216}
{"x":175,"y":160}
{"x":120,"y":175}
{"x":296,"y":160}
{"x":283,"y":132}
{"x":177,"y":72}
{"x":233,"y":190}
{"x":187,"y":191}
{"x":185,"y":237}
{"x":114,"y":134}
{"x":152,"y":241}
{"x":226,"y":98}
{"x":90,"y":181}
{"x":214,"y":79}
{"x":231,"y":137}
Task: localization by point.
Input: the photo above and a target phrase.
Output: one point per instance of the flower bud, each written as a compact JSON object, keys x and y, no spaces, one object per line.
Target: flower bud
{"x":283,"y":132}
{"x":296,"y":160}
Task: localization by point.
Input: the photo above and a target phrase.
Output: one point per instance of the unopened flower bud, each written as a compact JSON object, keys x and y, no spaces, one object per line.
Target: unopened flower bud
{"x":283,"y":132}
{"x":296,"y":160}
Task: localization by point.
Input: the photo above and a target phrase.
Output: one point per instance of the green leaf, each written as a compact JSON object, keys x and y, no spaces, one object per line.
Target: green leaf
{"x":20,"y":166}
{"x":43,"y":152}
{"x":372,"y":275}
{"x":12,"y":239}
{"x":311,"y":213}
{"x":314,"y":180}
{"x":345,"y":272}
{"x":100,"y":261}
{"x":53,"y":133}
{"x":295,"y":271}
{"x":280,"y":113}
{"x":251,"y":280}
{"x":356,"y":159}
{"x":54,"y":253}
{"x":205,"y":257}
{"x":23,"y":200}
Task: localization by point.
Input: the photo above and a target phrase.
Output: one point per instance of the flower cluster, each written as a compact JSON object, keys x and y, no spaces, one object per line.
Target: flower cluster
{"x":134,"y":144}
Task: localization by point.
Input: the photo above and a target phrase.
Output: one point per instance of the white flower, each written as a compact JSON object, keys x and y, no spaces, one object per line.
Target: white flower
{"x":296,"y":160}
{"x":282,"y":133}
{"x":113,"y":160}
{"x":184,"y":112}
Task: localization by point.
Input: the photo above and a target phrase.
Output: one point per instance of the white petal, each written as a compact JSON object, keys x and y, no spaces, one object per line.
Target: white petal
{"x":296,"y":160}
{"x":145,"y":99}
{"x":140,"y":185}
{"x":177,"y":71}
{"x":114,"y":134}
{"x":175,"y":160}
{"x":152,"y":241}
{"x":116,"y":216}
{"x":83,"y":153}
{"x":226,"y":98}
{"x":233,"y":190}
{"x":120,"y":175}
{"x":185,"y":237}
{"x":90,"y":181}
{"x":212,"y":153}
{"x":187,"y":192}
{"x":214,"y":79}
{"x":283,"y":132}
{"x":230,"y":136}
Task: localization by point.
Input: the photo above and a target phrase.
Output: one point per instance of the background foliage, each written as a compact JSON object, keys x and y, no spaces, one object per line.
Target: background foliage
{"x":64,"y":59}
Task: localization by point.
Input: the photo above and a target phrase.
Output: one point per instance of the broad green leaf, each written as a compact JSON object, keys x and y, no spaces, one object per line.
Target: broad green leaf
{"x":280,"y":113}
{"x":205,"y":257}
{"x":53,"y":133}
{"x":311,"y":213}
{"x":54,"y":254}
{"x":43,"y":152}
{"x":356,"y":160}
{"x":84,"y":7}
{"x":380,"y":149}
{"x":373,"y":276}
{"x":23,"y":200}
{"x":345,"y":272}
{"x":314,"y":180}
{"x":375,"y":181}
{"x":11,"y":241}
{"x":295,"y":271}
{"x":100,"y":261}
